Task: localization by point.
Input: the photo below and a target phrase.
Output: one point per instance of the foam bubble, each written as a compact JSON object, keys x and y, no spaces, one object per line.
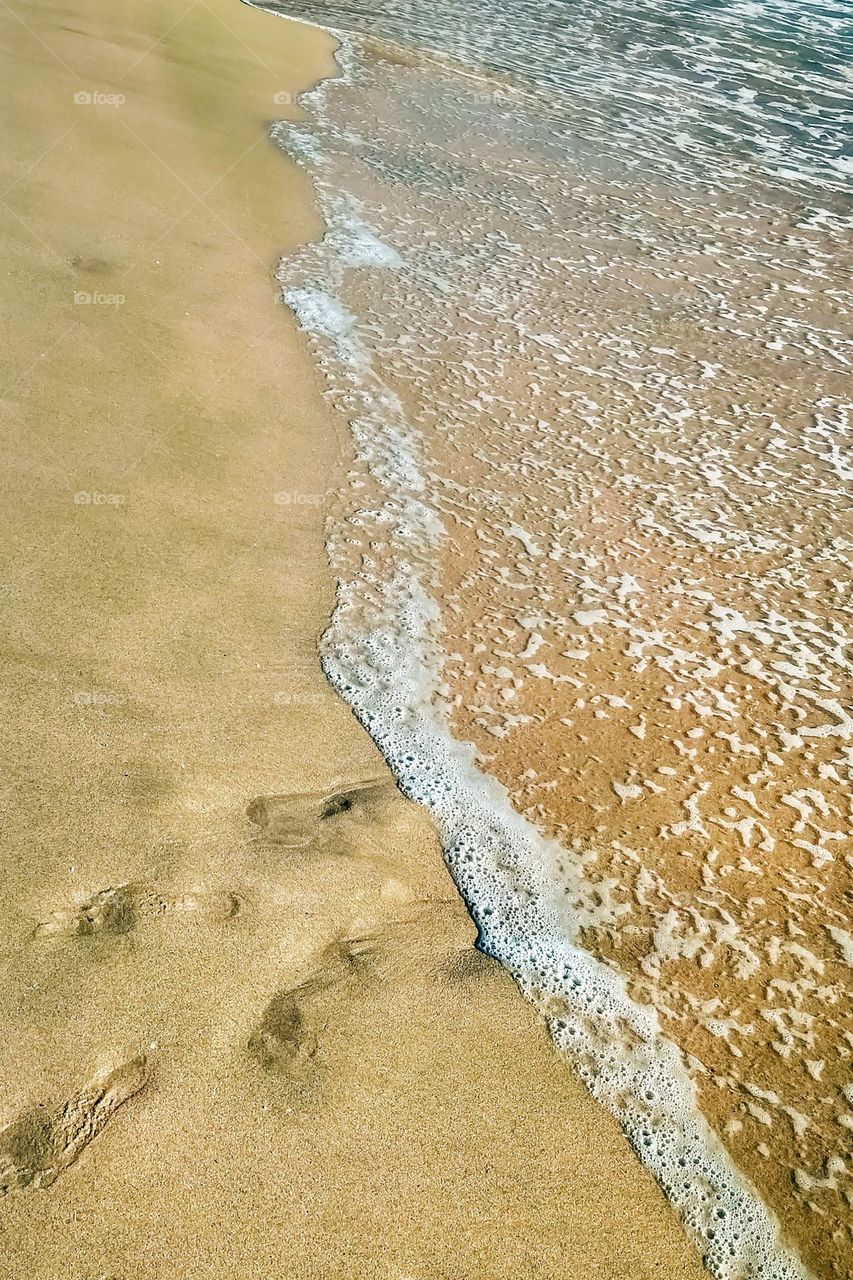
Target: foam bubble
{"x":383,"y":654}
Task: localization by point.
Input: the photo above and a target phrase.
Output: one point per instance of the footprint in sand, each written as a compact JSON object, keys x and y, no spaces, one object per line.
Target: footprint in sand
{"x":43,"y":1141}
{"x":287,"y":1041}
{"x":283,"y":1042}
{"x":111,"y":912}
{"x":314,"y":817}
{"x":287,"y":1038}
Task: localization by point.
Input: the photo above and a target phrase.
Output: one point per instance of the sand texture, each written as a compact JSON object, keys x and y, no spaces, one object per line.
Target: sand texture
{"x":244,"y":1029}
{"x":624,"y":509}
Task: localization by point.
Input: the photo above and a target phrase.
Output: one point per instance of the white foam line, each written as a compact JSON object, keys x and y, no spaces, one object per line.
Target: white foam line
{"x":384,"y":658}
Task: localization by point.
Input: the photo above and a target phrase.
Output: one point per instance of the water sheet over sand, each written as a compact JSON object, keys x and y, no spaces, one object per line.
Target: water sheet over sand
{"x":244,"y":1029}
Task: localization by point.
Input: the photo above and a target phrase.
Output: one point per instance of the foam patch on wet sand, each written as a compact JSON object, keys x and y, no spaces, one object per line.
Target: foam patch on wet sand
{"x":382,"y":652}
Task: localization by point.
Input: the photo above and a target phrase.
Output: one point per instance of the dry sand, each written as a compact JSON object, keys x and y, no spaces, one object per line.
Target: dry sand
{"x":241,"y":1036}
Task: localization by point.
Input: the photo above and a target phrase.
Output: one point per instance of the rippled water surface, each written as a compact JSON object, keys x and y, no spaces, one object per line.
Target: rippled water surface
{"x":589,"y":317}
{"x":714,"y":90}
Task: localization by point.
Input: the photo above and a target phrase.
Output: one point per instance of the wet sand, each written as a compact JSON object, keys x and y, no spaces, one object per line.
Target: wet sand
{"x":616,"y":533}
{"x":244,"y":1028}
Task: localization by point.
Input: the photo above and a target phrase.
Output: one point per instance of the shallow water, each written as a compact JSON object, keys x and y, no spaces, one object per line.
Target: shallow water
{"x":703,"y":90}
{"x":589,"y":319}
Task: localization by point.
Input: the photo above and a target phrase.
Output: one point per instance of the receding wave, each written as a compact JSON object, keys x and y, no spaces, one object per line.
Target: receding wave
{"x":590,"y":325}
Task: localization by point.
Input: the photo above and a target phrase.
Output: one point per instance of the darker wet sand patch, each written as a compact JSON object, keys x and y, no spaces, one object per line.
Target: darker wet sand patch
{"x":313,"y":817}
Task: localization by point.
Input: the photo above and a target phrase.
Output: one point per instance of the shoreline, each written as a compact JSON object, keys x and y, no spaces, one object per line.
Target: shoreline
{"x":379,"y":665}
{"x":244,"y":1023}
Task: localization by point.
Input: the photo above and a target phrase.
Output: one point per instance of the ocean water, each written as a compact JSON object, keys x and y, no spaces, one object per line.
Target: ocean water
{"x":584,"y":301}
{"x":700,"y":90}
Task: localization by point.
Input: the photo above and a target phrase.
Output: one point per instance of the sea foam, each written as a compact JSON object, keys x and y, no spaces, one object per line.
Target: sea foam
{"x":383,"y":653}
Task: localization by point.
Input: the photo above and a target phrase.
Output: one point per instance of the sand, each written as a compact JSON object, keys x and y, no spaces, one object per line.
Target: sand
{"x":245,"y":1031}
{"x":628,"y":418}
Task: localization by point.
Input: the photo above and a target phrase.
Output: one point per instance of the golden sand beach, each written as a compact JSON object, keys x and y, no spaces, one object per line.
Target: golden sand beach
{"x":244,"y":1029}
